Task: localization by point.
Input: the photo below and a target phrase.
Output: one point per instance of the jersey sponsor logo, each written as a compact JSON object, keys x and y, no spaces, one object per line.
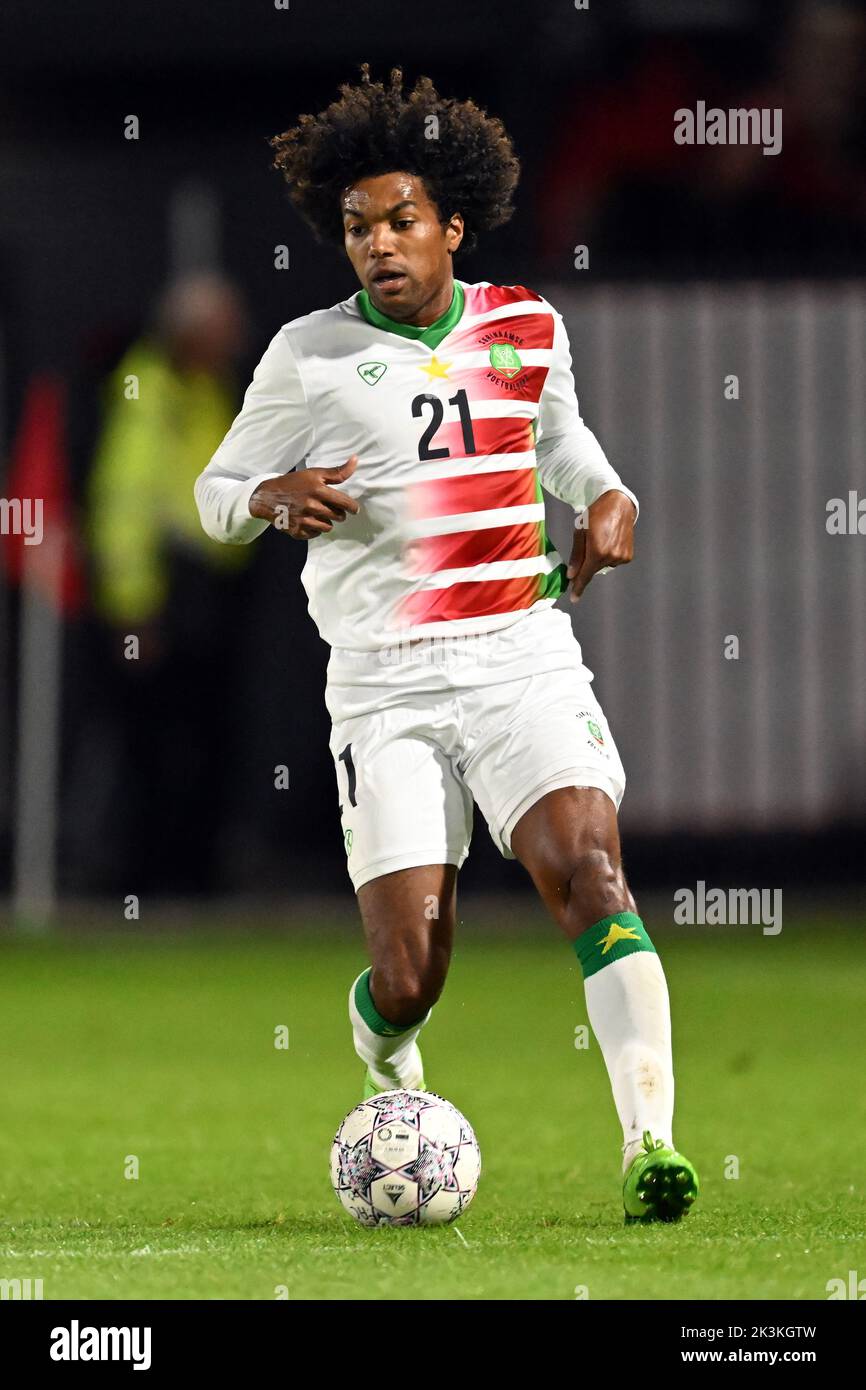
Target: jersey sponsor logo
{"x":371,"y":372}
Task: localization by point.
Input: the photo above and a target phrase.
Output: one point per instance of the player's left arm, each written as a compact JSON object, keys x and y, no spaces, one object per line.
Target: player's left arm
{"x":573,"y":466}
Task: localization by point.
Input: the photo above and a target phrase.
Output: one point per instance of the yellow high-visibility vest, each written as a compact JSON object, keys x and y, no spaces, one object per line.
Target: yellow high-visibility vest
{"x":160,"y":430}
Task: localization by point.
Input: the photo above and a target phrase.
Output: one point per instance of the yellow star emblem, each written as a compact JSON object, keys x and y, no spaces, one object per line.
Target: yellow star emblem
{"x":617,"y":933}
{"x":435,"y":368}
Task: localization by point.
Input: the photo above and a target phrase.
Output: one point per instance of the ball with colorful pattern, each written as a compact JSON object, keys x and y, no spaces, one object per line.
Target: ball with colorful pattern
{"x":405,"y":1158}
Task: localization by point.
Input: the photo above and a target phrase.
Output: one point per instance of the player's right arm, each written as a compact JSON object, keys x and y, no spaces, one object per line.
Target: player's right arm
{"x":305,"y":504}
{"x":250,"y":483}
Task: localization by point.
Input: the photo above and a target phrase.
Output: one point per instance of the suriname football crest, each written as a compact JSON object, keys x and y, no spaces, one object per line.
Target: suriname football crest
{"x":504,"y":359}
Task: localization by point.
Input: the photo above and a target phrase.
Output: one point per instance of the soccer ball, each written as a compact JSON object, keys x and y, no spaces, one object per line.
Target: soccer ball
{"x":405,"y":1158}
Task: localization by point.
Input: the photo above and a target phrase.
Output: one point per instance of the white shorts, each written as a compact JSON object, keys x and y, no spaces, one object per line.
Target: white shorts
{"x":419,"y":731}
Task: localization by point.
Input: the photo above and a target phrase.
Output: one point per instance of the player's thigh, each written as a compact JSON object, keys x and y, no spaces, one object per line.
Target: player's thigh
{"x":403,"y":803}
{"x":409,"y":918}
{"x":568,"y":841}
{"x":534,"y":736}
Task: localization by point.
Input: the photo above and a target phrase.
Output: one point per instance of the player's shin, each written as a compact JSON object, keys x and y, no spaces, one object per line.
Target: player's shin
{"x":389,"y":1051}
{"x":629,"y":1011}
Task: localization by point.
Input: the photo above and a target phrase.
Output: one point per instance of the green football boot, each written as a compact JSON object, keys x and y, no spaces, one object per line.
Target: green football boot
{"x":371,"y":1089}
{"x":660,"y":1184}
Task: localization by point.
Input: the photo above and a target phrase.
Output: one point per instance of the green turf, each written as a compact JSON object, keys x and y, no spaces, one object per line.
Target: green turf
{"x":163,"y":1048}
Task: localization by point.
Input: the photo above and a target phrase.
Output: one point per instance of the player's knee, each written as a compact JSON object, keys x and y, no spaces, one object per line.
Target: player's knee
{"x":596,"y":885}
{"x":403,"y":997}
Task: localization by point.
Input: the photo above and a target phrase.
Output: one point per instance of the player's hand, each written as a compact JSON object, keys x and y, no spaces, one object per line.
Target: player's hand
{"x":305,"y":503}
{"x":605,"y":538}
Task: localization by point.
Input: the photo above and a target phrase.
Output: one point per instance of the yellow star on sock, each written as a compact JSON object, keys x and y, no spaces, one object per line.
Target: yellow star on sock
{"x":617,"y":933}
{"x":435,"y":368}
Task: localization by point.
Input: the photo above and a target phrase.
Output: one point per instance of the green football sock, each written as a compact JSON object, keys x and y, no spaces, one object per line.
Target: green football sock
{"x":628,"y":1007}
{"x":389,"y":1050}
{"x":611,"y":939}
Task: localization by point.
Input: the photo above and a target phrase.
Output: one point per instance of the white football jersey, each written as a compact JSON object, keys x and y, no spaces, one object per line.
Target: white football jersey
{"x":455,"y":428}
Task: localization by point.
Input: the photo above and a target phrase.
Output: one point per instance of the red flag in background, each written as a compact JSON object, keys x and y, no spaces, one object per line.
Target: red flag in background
{"x":39,"y":470}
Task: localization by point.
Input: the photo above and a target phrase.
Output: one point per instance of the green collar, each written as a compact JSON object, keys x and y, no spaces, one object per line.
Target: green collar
{"x":431,"y":336}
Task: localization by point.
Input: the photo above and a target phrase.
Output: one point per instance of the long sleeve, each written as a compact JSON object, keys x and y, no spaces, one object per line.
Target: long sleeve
{"x":272,"y":433}
{"x":571,"y":463}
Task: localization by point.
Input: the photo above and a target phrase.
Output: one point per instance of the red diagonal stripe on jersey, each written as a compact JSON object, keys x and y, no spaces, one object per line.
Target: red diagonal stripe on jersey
{"x":472,"y":599}
{"x":472,"y":492}
{"x":506,"y":434}
{"x":480,"y":299}
{"x":520,"y":330}
{"x":482,"y":384}
{"x":431,"y":553}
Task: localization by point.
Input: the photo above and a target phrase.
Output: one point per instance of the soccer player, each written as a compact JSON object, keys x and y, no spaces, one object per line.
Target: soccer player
{"x":428,"y":413}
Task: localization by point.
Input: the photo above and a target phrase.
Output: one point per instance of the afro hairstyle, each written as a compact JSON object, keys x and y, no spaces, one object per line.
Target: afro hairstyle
{"x":465,"y":157}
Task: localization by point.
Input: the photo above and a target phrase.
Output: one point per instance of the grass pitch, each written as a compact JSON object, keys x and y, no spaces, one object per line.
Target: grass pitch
{"x":161,"y":1050}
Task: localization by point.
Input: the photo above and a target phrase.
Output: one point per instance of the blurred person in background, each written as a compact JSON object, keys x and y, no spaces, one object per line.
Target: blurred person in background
{"x":152,"y":779}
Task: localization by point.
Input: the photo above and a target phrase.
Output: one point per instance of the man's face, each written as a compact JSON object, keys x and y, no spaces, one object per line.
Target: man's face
{"x":399,"y":248}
